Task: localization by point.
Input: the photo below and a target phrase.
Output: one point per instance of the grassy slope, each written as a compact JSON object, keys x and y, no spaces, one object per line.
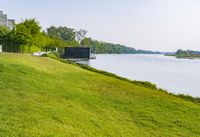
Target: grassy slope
{"x":44,"y":97}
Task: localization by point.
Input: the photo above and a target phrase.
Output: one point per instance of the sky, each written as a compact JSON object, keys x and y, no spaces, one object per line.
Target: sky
{"x":164,"y":25}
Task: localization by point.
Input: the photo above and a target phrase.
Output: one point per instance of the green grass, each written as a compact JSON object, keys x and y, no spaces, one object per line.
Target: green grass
{"x":44,"y":97}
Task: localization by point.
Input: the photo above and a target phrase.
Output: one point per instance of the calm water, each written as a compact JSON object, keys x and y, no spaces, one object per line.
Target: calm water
{"x":174,"y":75}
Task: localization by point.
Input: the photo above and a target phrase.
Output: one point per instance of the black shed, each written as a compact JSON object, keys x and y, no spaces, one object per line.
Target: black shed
{"x":77,"y":53}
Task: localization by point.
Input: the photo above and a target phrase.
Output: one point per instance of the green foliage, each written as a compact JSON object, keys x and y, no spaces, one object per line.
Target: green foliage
{"x":32,"y":26}
{"x":103,"y":47}
{"x":26,"y":33}
{"x":61,"y":33}
{"x":62,"y":43}
{"x":4,"y":32}
{"x":26,"y":37}
{"x":86,"y":41}
{"x":110,"y":48}
{"x":43,"y":97}
{"x":187,"y":54}
{"x":62,"y":37}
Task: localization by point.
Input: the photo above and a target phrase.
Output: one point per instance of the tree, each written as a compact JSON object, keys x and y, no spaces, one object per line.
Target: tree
{"x":32,"y":25}
{"x":62,"y":33}
{"x":67,"y":34}
{"x":52,"y":32}
{"x":179,"y":52}
{"x":86,"y":41}
{"x":26,"y":37}
{"x":80,"y":35}
{"x":4,"y":31}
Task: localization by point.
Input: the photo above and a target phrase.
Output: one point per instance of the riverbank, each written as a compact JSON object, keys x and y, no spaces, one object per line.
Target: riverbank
{"x":136,"y":82}
{"x":140,"y":83}
{"x":166,"y":72}
{"x":45,"y":97}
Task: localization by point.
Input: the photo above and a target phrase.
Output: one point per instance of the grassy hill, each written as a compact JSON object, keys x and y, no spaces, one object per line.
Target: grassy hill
{"x":43,"y":97}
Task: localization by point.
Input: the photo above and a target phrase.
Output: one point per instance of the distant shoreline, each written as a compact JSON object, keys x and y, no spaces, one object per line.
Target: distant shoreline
{"x":182,"y":56}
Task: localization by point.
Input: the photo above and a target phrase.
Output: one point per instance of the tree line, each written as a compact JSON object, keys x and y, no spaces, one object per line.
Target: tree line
{"x":100,"y":47}
{"x":187,"y":54}
{"x":28,"y":37}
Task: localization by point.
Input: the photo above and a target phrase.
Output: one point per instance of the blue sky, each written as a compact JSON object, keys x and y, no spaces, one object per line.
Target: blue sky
{"x":165,"y":25}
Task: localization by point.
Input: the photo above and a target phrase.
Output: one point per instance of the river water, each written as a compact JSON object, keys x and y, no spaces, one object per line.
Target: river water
{"x":178,"y":76}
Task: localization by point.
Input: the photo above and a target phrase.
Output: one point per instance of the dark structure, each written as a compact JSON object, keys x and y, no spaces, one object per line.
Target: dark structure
{"x":77,"y":53}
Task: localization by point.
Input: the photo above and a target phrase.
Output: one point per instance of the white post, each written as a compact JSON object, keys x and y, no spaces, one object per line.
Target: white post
{"x":1,"y":49}
{"x":56,"y":49}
